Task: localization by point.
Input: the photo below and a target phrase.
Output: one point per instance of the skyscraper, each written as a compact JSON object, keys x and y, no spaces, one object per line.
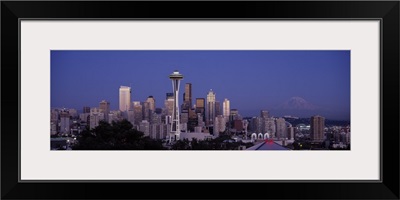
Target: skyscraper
{"x":210,"y":109}
{"x":104,"y":108}
{"x":137,"y":112}
{"x":281,"y":128}
{"x":226,"y":108}
{"x":219,"y":125}
{"x":152,"y":103}
{"x":95,"y":117}
{"x":217,"y":108}
{"x":187,"y":97}
{"x":200,"y":106}
{"x":124,"y":98}
{"x":317,"y":126}
{"x":176,"y":78}
{"x":64,"y":122}
{"x":146,"y":111}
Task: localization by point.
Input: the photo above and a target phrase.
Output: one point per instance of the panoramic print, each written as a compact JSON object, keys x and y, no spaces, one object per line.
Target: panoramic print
{"x":200,"y":100}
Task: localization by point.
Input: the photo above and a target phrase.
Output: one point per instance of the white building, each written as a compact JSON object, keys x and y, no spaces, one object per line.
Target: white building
{"x":124,"y":98}
{"x":281,"y":130}
{"x":144,"y":126}
{"x":226,"y":108}
{"x":95,"y":117}
{"x":219,"y":125}
{"x":269,"y":126}
{"x":64,"y":122}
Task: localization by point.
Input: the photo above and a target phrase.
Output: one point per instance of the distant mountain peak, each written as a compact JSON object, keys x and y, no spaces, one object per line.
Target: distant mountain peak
{"x":297,"y":103}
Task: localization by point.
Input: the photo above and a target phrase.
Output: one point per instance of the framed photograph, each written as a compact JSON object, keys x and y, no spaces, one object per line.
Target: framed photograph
{"x":292,"y":98}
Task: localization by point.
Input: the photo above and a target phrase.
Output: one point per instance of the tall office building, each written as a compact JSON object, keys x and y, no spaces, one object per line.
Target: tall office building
{"x":218,"y":108}
{"x":187,"y":97}
{"x":281,"y":128}
{"x":146,"y":111}
{"x":137,"y":112}
{"x":124,"y":98}
{"x":226,"y":108}
{"x":219,"y":125}
{"x":144,"y":126}
{"x":269,"y":126}
{"x":200,"y":106}
{"x":114,"y":115}
{"x":234,"y":114}
{"x":210,"y":109}
{"x":317,"y":127}
{"x":104,"y":107}
{"x":64,"y":122}
{"x":168,"y":104}
{"x":256,"y":124}
{"x":95,"y":117}
{"x":152,"y":103}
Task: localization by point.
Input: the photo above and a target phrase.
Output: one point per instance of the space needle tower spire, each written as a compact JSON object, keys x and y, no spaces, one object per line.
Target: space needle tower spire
{"x":175,"y":77}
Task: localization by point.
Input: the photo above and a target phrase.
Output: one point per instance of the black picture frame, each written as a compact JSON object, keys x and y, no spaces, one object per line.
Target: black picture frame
{"x":386,"y":11}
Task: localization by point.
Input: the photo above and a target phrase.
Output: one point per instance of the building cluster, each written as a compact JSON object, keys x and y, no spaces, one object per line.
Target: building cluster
{"x":277,"y":128}
{"x":205,"y":115}
{"x":204,"y":118}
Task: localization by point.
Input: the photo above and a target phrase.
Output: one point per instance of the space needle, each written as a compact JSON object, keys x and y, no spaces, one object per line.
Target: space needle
{"x":176,"y":77}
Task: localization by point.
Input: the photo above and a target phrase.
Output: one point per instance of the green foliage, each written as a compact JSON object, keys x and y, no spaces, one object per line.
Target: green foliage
{"x":115,"y":136}
{"x":222,"y":142}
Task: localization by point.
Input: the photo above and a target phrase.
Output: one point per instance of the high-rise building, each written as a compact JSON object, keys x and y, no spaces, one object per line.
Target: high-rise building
{"x":200,"y":108}
{"x":256,"y":124}
{"x":290,"y":132}
{"x":131,"y":116}
{"x":317,"y":127}
{"x":264,"y":114}
{"x":281,"y":129}
{"x":95,"y":117}
{"x":124,"y":98}
{"x":152,"y":103}
{"x":234,"y":114}
{"x":64,"y":122}
{"x":219,"y":125}
{"x":146,"y":111}
{"x":156,"y":118}
{"x":187,"y":97}
{"x":144,"y":126}
{"x":184,"y":116}
{"x":210,"y":109}
{"x":226,"y":108}
{"x":217,"y":108}
{"x":137,"y":112}
{"x":269,"y":126}
{"x":104,"y":107}
{"x":114,"y":115}
{"x":200,"y":103}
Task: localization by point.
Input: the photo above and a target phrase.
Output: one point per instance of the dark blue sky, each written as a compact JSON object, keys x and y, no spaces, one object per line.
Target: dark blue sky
{"x":251,"y":80}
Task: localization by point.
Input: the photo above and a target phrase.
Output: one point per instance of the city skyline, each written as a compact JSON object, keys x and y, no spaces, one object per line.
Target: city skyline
{"x":320,"y":77}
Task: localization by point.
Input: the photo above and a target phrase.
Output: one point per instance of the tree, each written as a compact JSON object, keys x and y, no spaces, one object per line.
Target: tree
{"x":118,"y":135}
